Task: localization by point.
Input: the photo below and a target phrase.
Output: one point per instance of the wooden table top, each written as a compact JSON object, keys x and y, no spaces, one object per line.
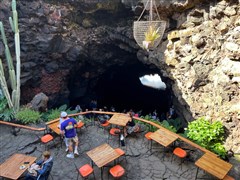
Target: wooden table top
{"x":213,"y":165}
{"x":163,"y":137}
{"x":54,"y":127}
{"x":103,"y":155}
{"x":11,"y":167}
{"x":119,"y":119}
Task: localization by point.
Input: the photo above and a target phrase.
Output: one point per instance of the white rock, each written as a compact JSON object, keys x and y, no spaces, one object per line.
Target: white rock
{"x":236,"y":79}
{"x":232,"y":46}
{"x":229,"y":11}
{"x":230,"y":67}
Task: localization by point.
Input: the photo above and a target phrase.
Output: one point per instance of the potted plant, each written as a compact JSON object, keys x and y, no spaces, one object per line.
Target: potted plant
{"x":150,"y":37}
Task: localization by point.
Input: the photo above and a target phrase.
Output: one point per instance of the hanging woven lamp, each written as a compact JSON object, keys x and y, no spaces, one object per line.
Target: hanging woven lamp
{"x":148,"y":34}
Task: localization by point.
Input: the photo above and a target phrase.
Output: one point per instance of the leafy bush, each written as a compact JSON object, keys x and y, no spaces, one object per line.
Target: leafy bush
{"x":209,"y":135}
{"x":6,"y":114}
{"x":152,"y":128}
{"x":176,"y":123}
{"x":55,"y":113}
{"x":166,"y":124}
{"x":27,"y":116}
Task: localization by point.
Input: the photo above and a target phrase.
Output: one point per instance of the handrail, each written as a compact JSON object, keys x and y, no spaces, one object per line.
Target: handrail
{"x":179,"y":136}
{"x":149,"y":122}
{"x":112,"y":113}
{"x":22,"y":126}
{"x":82,"y":113}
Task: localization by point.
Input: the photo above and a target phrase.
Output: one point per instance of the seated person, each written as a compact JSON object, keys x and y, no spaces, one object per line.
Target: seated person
{"x":131,"y":126}
{"x":41,"y":169}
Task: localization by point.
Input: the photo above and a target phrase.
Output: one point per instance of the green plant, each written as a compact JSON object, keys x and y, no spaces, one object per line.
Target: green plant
{"x":219,"y":149}
{"x":55,"y":113}
{"x":152,"y":128}
{"x":150,"y":37}
{"x":209,"y":135}
{"x":3,"y":103}
{"x":14,"y":99}
{"x":152,"y":34}
{"x":6,"y":113}
{"x":166,"y":124}
{"x":176,"y":123}
{"x":27,"y":116}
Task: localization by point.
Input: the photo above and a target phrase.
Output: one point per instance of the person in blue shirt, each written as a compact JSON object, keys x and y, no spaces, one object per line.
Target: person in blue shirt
{"x":59,"y":126}
{"x":69,"y":131}
{"x":41,"y":169}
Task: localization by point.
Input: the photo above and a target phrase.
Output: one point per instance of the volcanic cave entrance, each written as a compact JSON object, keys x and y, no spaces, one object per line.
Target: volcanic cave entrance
{"x":120,"y":87}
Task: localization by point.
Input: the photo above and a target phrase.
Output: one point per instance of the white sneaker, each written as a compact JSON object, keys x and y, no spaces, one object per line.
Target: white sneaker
{"x":70,"y":156}
{"x":76,"y":153}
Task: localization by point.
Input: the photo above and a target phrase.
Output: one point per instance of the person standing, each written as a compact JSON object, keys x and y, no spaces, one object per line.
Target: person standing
{"x":69,"y":131}
{"x":59,"y":126}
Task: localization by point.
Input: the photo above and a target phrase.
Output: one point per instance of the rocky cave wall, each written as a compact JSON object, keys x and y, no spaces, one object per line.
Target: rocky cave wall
{"x":62,"y":38}
{"x":201,"y":58}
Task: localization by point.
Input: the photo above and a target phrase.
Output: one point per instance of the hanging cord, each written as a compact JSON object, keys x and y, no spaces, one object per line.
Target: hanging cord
{"x":152,"y":3}
{"x":151,"y":11}
{"x":143,"y":10}
{"x":157,"y":10}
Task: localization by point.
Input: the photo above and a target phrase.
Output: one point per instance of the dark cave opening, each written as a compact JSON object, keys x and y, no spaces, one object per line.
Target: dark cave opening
{"x":120,"y":87}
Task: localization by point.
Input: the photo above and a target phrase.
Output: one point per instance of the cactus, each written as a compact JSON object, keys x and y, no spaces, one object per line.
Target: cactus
{"x":13,"y":102}
{"x":17,"y":51}
{"x":4,"y":85}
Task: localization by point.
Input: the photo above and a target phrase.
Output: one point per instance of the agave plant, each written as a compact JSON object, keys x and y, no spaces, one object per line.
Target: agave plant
{"x":150,"y":36}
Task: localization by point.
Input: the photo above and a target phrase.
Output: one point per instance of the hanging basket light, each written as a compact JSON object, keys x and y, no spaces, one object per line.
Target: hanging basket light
{"x":148,"y":34}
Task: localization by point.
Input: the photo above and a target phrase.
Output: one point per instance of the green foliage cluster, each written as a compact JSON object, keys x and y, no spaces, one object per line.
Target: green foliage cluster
{"x":164,"y":123}
{"x":27,"y":116}
{"x":6,"y":113}
{"x":209,"y":135}
{"x":176,"y":123}
{"x":55,"y":113}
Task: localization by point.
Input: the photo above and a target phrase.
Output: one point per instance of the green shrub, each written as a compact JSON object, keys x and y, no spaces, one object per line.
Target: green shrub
{"x":152,"y":128}
{"x":55,"y":113}
{"x":6,"y":114}
{"x":209,"y":135}
{"x":27,"y":116}
{"x":166,"y":124}
{"x":176,"y":123}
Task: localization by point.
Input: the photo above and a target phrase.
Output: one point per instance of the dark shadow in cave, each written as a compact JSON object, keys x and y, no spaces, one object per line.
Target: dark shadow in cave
{"x":121,"y":88}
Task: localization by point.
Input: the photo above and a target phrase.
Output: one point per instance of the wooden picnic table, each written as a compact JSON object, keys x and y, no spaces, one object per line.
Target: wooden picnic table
{"x":120,"y":119}
{"x":102,"y":155}
{"x":213,"y":165}
{"x":163,"y":137}
{"x":11,"y":167}
{"x":55,"y":127}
